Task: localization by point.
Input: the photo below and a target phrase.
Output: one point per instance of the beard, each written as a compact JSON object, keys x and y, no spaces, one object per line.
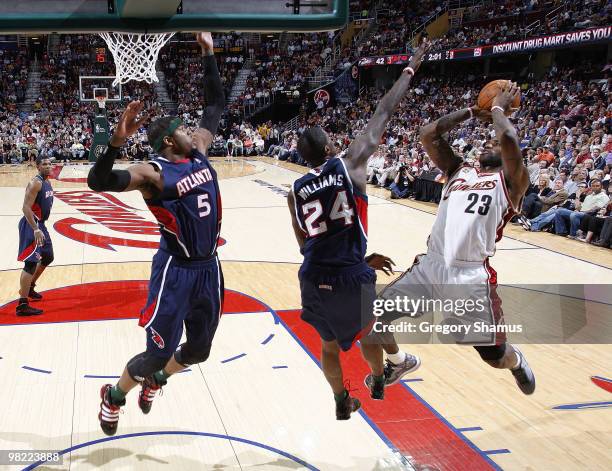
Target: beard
{"x":490,"y":160}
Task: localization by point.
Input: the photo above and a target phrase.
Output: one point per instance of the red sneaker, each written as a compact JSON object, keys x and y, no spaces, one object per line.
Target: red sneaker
{"x":149,"y":389}
{"x":109,"y":412}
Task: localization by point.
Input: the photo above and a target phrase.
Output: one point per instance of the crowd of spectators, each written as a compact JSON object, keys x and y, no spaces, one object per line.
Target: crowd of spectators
{"x":59,"y":124}
{"x":397,"y":20}
{"x":181,"y":62}
{"x":507,"y":21}
{"x":502,"y":8}
{"x":13,"y":78}
{"x":274,"y":71}
{"x":564,"y":127}
{"x":572,"y":16}
{"x":563,"y":123}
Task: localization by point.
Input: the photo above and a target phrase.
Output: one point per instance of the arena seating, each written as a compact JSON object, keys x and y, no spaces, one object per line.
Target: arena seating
{"x":563,"y":123}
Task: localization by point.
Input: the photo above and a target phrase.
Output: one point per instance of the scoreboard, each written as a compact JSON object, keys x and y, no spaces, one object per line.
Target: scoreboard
{"x":575,"y":38}
{"x":100,"y":54}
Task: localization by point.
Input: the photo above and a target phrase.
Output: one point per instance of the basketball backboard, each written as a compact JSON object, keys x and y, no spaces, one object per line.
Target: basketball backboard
{"x":92,"y":86}
{"x":155,"y":16}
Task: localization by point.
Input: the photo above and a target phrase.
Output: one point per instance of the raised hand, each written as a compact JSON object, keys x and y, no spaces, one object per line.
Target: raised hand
{"x":128,"y":123}
{"x":206,"y":42}
{"x":419,"y":54}
{"x":507,"y":95}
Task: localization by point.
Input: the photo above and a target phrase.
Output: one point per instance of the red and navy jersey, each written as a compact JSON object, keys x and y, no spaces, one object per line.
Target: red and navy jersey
{"x":333,"y":214}
{"x":189,"y":207}
{"x":44,"y":200}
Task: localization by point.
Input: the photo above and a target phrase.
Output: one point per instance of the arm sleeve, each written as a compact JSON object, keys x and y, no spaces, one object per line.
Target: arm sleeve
{"x":213,"y":94}
{"x":556,"y":198}
{"x":102,"y":177}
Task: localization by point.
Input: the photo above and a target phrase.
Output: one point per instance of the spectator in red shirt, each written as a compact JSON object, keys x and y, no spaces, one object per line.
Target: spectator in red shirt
{"x":583,"y":155}
{"x":545,"y":155}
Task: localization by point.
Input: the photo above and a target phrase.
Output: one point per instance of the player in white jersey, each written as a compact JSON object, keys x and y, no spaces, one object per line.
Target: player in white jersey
{"x":475,"y":206}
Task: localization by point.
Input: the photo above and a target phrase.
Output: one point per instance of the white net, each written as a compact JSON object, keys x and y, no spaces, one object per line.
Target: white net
{"x":135,"y":55}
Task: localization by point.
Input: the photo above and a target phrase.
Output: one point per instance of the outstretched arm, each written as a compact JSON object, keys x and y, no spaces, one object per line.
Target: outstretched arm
{"x":102,"y":177}
{"x":213,"y":94}
{"x":515,"y":172}
{"x":364,"y":145}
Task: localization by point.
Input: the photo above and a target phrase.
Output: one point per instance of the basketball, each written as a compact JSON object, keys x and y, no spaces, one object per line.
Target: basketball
{"x":490,"y":91}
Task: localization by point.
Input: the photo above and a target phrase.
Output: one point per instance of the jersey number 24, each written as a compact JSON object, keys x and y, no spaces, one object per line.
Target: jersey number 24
{"x":341,"y":210}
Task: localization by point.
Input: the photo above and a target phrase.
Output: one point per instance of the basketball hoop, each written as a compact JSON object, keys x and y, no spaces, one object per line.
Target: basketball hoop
{"x":135,"y":55}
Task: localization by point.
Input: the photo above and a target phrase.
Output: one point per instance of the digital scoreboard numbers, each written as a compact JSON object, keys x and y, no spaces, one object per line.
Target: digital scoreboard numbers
{"x":592,"y":35}
{"x":100,"y":54}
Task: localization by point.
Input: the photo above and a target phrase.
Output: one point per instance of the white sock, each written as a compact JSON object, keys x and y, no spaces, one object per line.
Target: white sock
{"x":397,"y":358}
{"x":518,"y":361}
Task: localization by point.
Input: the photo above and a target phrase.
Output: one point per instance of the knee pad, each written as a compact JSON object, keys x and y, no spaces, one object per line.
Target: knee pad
{"x":29,"y":267}
{"x":145,"y":364}
{"x":188,"y":355}
{"x":46,"y":259}
{"x":491,"y":352}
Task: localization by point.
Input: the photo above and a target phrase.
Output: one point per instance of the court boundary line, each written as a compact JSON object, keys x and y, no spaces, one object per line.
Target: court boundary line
{"x":363,"y":414}
{"x":535,"y":246}
{"x":375,"y":427}
{"x":272,"y":311}
{"x":277,"y":320}
{"x":230,"y":438}
{"x":467,"y":441}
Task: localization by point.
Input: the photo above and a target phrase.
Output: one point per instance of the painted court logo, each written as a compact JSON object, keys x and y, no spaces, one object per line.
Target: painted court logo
{"x":109,"y":212}
{"x":106,"y":210}
{"x":157,"y":339}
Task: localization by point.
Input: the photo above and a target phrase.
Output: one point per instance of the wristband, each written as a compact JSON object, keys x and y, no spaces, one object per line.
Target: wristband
{"x":497,"y":108}
{"x":410,"y":70}
{"x":112,"y":151}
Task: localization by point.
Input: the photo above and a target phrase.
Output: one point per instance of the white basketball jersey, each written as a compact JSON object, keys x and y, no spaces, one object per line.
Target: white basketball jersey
{"x":474,"y":208}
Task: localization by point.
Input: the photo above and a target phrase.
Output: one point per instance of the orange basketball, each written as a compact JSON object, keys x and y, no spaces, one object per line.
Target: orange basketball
{"x":490,"y":91}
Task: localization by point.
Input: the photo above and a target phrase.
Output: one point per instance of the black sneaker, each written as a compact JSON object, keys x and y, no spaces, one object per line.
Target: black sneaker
{"x":109,"y":411}
{"x":523,"y":375}
{"x":149,"y":389}
{"x":24,"y":310}
{"x":393,"y":372}
{"x":33,"y":295}
{"x":377,"y":388}
{"x":345,"y":407}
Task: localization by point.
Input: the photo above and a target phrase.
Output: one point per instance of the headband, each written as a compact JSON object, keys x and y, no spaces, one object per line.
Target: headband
{"x":174,"y":124}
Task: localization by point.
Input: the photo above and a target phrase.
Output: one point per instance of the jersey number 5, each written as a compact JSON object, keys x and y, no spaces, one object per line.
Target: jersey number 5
{"x":204,"y":205}
{"x":313,"y":210}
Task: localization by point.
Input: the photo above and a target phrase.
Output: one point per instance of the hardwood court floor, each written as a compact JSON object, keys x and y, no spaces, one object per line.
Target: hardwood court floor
{"x":261,"y":401}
